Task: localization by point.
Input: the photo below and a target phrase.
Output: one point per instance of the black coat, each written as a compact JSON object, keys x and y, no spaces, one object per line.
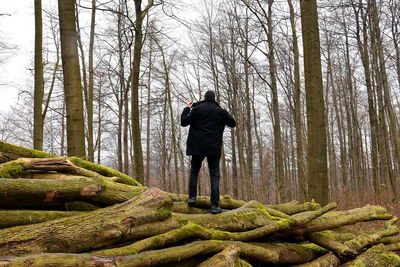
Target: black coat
{"x":207,"y":122}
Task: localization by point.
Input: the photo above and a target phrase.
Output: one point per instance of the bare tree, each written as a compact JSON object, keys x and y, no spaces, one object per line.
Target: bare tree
{"x":72,"y":79}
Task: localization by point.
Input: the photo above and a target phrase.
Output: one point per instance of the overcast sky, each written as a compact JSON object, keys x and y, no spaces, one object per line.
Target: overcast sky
{"x":17,"y":29}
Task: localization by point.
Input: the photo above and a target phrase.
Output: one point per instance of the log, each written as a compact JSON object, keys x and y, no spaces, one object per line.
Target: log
{"x":97,"y":228}
{"x":376,"y":256}
{"x":10,"y":152}
{"x":340,"y":218}
{"x":337,"y":247}
{"x":291,"y":208}
{"x":356,"y":245}
{"x":10,"y":218}
{"x":227,"y":257}
{"x":328,"y":260}
{"x":192,"y":230}
{"x":16,"y":168}
{"x":149,"y":258}
{"x":33,"y":192}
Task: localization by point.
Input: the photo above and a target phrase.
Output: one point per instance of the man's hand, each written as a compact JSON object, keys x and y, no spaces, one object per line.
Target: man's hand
{"x":189,"y":105}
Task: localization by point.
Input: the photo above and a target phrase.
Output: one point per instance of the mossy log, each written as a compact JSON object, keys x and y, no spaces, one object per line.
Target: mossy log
{"x":376,"y":256}
{"x":33,"y":192}
{"x":148,"y":258}
{"x":9,"y":152}
{"x":352,"y":246}
{"x":150,"y":227}
{"x":340,"y":218}
{"x":87,"y":231}
{"x":10,"y":218}
{"x":227,"y":257}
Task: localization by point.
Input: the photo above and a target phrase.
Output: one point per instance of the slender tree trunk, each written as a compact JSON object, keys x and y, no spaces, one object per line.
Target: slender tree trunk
{"x":235,"y":183}
{"x":89,"y":104}
{"x":164,"y":153}
{"x":279,"y":168}
{"x":137,"y":55}
{"x":99,"y":123}
{"x":394,"y":6}
{"x":38,"y":120}
{"x":72,"y":79}
{"x":173,"y":128}
{"x":301,"y":176}
{"x":121,"y":133}
{"x":249,"y":141}
{"x":148,"y":125}
{"x":362,"y":45}
{"x":382,"y":80}
{"x":317,"y":152}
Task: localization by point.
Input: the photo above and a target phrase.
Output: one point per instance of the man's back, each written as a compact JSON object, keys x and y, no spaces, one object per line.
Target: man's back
{"x":207,"y":121}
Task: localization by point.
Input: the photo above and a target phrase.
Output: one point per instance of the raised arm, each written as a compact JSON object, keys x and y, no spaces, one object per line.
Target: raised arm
{"x":186,"y":117}
{"x":228,"y":119}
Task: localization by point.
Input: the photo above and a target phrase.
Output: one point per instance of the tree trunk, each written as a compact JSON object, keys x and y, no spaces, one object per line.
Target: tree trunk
{"x":362,"y":45}
{"x":137,"y":55}
{"x":72,"y":79}
{"x":278,"y":153}
{"x":89,"y":104}
{"x":38,"y":120}
{"x":301,"y":176}
{"x":317,"y":152}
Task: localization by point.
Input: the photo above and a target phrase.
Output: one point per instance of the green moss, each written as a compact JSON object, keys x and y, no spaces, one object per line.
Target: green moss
{"x":185,"y":231}
{"x":133,"y":251}
{"x":105,"y":171}
{"x":312,"y":205}
{"x":163,"y":213}
{"x":260,"y":207}
{"x":247,"y":215}
{"x":183,"y":221}
{"x":285,"y":223}
{"x":358,"y":263}
{"x":317,"y":249}
{"x":156,"y":240}
{"x":15,"y":229}
{"x":11,"y":169}
{"x":391,"y":258}
{"x":23,"y":151}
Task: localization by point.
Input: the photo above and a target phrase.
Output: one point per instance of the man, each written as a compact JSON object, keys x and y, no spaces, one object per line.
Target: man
{"x":207,"y":121}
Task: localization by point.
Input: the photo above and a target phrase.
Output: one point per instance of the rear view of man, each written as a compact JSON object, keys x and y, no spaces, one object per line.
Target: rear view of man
{"x":207,"y":122}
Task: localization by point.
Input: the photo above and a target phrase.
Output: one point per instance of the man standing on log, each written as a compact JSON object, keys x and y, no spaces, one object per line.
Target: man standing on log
{"x":207,"y":122}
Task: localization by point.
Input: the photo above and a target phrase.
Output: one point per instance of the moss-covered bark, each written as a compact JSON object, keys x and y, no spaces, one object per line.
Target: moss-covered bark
{"x":10,"y":152}
{"x":10,"y":218}
{"x":376,"y":256}
{"x":228,"y":257}
{"x":22,"y":152}
{"x":340,"y":218}
{"x":32,"y":192}
{"x":87,"y":231}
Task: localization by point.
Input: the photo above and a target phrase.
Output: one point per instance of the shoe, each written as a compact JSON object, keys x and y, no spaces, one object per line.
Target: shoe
{"x":191,"y":201}
{"x":215,"y":209}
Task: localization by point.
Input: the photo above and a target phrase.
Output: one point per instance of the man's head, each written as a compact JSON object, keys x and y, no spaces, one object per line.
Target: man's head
{"x":209,"y":96}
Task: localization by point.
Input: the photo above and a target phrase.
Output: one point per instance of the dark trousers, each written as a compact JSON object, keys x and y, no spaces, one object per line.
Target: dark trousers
{"x":213,"y":166}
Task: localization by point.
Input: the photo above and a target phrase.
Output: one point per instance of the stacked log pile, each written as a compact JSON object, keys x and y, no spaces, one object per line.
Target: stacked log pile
{"x":59,"y":211}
